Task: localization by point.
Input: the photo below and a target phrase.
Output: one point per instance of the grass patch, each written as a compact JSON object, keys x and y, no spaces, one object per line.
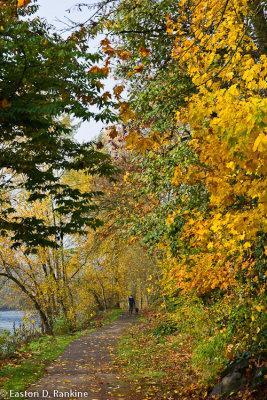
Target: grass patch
{"x":112,"y":315}
{"x":28,"y":367}
{"x":155,"y":358}
{"x":209,"y":357}
{"x":179,"y":354}
{"x":30,"y":362}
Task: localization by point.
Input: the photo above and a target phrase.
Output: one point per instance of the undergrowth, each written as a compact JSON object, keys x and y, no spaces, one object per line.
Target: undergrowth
{"x":181,"y":353}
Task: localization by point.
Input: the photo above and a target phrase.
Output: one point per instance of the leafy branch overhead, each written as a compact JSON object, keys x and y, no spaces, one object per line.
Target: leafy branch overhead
{"x":43,"y":78}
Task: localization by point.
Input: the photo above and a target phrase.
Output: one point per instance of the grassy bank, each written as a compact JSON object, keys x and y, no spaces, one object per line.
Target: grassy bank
{"x":179,"y":354}
{"x":29,"y":361}
{"x":156,"y":361}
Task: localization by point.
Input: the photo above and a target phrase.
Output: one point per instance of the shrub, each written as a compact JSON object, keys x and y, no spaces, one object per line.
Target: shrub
{"x":165,"y":328}
{"x":61,"y":325}
{"x":8,"y":344}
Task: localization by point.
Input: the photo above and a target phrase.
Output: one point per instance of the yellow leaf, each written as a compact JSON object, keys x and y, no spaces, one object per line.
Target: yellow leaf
{"x":4,"y":104}
{"x":112,"y":132}
{"x":124,"y":55}
{"x":106,"y":96}
{"x":23,"y":3}
{"x":118,"y":90}
{"x":138,"y":69}
{"x":96,"y":69}
{"x":260,"y":143}
{"x":210,"y":246}
{"x":230,"y":165}
{"x":144,"y":52}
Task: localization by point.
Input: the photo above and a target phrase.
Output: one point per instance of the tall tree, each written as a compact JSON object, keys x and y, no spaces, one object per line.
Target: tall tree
{"x":42,"y":78}
{"x":213,"y":96}
{"x":206,"y":89}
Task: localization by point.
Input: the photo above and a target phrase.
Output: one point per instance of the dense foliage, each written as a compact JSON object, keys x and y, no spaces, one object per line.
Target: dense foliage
{"x":185,"y":221}
{"x":196,"y":78}
{"x":43,"y":78}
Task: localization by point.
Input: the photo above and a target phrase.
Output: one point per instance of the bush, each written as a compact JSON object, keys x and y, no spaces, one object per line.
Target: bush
{"x":61,"y":325}
{"x":165,"y":328}
{"x":8,"y":344}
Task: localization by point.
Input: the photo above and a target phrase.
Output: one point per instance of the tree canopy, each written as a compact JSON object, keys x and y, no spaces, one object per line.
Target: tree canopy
{"x":43,"y":78}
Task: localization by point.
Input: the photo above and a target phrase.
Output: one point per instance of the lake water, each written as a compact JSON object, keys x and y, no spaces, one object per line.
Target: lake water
{"x":8,"y":318}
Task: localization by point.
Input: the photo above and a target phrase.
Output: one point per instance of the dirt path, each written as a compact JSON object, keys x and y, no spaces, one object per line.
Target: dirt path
{"x":85,"y":370}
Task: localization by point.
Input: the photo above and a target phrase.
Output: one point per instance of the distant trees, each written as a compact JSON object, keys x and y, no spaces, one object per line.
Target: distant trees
{"x":45,"y":278}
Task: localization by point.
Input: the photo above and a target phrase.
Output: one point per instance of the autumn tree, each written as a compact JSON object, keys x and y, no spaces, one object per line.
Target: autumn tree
{"x":115,"y":268}
{"x":116,"y":264}
{"x":206,"y":97}
{"x":229,"y":76}
{"x":47,"y":279}
{"x":220,"y":75}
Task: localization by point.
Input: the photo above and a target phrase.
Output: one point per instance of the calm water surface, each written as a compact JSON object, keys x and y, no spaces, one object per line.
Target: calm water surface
{"x":8,"y":318}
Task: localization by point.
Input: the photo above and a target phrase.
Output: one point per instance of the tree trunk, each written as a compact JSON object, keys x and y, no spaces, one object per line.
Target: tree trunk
{"x":45,"y":322}
{"x":104,"y":298}
{"x":260,"y":24}
{"x":98,"y":302}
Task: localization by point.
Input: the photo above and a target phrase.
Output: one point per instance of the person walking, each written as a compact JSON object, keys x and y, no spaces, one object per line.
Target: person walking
{"x":131,"y":304}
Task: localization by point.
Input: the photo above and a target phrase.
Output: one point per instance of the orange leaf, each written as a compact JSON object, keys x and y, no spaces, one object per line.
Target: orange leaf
{"x":4,"y":104}
{"x":144,"y":52}
{"x":23,"y":3}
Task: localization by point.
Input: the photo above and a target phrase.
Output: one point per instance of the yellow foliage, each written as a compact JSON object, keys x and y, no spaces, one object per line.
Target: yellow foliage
{"x":117,"y":90}
{"x":98,"y":70}
{"x":137,"y":69}
{"x":125,"y":112}
{"x":23,"y":3}
{"x":227,"y":118}
{"x":124,"y":55}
